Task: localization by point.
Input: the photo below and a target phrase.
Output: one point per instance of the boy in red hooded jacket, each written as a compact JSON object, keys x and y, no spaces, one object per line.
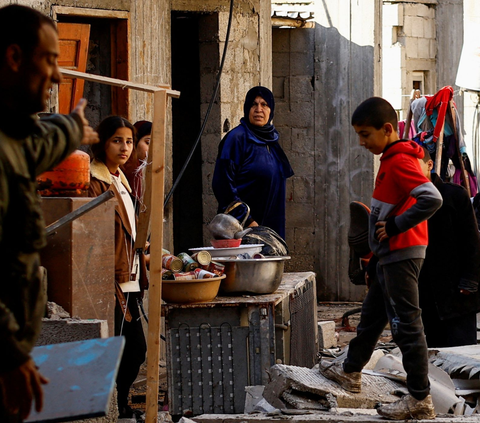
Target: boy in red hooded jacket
{"x":403,"y":199}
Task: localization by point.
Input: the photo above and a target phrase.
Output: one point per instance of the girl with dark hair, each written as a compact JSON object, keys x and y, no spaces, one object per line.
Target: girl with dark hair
{"x":252,"y":167}
{"x":134,"y":167}
{"x":117,"y":137}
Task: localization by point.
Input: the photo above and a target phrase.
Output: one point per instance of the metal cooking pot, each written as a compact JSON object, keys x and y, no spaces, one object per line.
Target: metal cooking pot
{"x":257,"y":276}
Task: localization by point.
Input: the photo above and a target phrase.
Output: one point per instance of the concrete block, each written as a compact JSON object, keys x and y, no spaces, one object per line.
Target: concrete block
{"x":303,"y":190}
{"x":299,"y":115}
{"x":424,"y":48}
{"x":407,"y":25}
{"x":210,"y":54}
{"x":302,"y":164}
{"x":302,"y":63}
{"x":415,"y":9}
{"x":301,"y":89}
{"x":281,"y":64}
{"x":326,"y":335}
{"x":299,"y":216}
{"x":300,"y":263}
{"x":429,"y":30}
{"x":411,"y":47}
{"x":56,"y":331}
{"x":302,"y":41}
{"x":213,"y":125}
{"x":304,"y":240}
{"x":303,"y":140}
{"x":280,"y":40}
{"x":210,"y":144}
{"x":417,"y":26}
{"x":279,"y":90}
{"x":285,"y":138}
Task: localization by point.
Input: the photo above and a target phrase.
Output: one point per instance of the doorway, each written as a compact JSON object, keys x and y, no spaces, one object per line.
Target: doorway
{"x":107,"y":56}
{"x":189,"y":75}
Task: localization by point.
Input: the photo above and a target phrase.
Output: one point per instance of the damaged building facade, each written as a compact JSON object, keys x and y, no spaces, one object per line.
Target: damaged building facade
{"x":318,"y":75}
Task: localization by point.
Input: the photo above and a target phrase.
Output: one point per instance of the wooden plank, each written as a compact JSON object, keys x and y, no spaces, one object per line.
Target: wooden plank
{"x":91,"y":13}
{"x":438,"y":156}
{"x":157,"y":156}
{"x":120,"y":83}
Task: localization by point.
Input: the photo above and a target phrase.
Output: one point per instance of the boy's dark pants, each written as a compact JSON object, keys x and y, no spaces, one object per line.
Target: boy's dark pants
{"x":393,"y":297}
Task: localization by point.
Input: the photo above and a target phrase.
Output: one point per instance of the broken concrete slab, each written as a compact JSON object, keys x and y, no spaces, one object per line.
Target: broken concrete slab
{"x":326,"y":335}
{"x":298,"y":380}
{"x":57,"y":331}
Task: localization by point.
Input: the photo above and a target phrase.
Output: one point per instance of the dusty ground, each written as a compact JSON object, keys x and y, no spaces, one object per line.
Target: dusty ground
{"x":345,"y":315}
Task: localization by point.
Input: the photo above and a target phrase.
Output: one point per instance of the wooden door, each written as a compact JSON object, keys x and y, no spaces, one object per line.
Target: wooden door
{"x":73,"y":40}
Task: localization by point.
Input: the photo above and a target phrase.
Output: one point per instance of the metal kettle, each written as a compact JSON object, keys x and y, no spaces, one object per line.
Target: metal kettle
{"x":225,"y":226}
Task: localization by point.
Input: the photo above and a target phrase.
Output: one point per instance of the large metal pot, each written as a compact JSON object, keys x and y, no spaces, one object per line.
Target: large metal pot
{"x":257,"y":276}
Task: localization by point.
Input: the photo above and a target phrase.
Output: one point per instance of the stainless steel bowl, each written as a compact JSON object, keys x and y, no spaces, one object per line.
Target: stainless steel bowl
{"x":257,"y":276}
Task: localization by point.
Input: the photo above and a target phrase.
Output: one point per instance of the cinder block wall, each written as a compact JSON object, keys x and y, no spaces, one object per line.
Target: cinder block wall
{"x":320,"y":75}
{"x":293,"y":76}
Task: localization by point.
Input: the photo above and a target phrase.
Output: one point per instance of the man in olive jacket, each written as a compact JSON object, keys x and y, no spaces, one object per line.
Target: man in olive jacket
{"x":28,"y":147}
{"x":448,"y":282}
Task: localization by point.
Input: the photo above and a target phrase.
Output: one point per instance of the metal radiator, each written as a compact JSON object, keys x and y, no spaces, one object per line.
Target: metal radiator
{"x":216,"y":349}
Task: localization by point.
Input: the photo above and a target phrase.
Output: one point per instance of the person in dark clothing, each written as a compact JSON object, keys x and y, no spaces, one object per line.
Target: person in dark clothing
{"x":476,"y":208}
{"x":28,"y":147}
{"x":252,"y":167}
{"x":403,"y":199}
{"x":448,"y":283}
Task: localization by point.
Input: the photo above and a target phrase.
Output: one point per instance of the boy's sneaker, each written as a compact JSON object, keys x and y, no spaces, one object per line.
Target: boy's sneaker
{"x":351,"y":382}
{"x":408,"y":408}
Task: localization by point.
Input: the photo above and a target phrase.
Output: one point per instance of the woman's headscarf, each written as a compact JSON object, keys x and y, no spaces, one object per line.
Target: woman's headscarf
{"x":267,"y":132}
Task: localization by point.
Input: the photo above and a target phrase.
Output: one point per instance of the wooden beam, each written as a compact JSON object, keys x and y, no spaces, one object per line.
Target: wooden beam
{"x":157,"y":156}
{"x":120,"y":83}
{"x":91,"y":13}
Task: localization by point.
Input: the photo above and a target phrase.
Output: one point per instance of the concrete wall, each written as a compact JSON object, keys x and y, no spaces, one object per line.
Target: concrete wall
{"x":320,"y":75}
{"x":409,"y":51}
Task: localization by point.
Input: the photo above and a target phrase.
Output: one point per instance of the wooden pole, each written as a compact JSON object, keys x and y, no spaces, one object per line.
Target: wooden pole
{"x":154,"y":195}
{"x":157,"y":156}
{"x":464,"y":178}
{"x":438,"y":156}
{"x":414,"y":95}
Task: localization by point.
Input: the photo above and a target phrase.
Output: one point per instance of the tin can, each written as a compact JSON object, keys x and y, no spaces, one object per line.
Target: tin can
{"x":185,"y":276}
{"x":204,"y":274}
{"x":203,"y":258}
{"x":170,"y":262}
{"x":216,"y":267}
{"x":168,"y":275}
{"x":189,"y":263}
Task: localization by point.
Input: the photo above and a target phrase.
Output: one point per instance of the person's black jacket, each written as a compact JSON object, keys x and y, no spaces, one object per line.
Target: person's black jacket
{"x":453,"y":254}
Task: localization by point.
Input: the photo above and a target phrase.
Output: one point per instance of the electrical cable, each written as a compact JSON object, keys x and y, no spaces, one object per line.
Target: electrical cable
{"x":140,"y":304}
{"x":214,"y":96}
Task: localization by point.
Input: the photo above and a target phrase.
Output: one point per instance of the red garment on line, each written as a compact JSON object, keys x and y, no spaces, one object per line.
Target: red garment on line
{"x":441,"y":98}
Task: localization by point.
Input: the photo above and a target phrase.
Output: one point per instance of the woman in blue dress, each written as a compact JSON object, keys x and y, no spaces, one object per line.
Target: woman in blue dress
{"x":252,"y":167}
